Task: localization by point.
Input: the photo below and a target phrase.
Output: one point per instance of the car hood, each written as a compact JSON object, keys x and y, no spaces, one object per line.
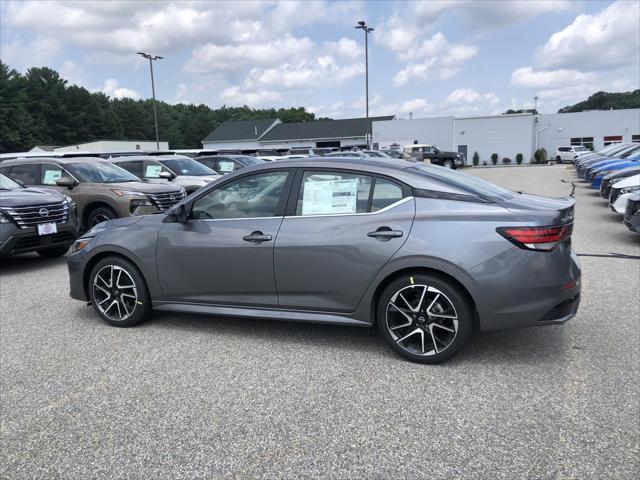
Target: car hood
{"x":25,"y":197}
{"x":143,"y":187}
{"x":627,"y":172}
{"x":615,"y":166}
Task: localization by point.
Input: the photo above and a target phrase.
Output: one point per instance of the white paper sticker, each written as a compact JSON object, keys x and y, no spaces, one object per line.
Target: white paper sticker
{"x":153,"y":171}
{"x":330,"y":196}
{"x":226,"y":166}
{"x":50,"y":176}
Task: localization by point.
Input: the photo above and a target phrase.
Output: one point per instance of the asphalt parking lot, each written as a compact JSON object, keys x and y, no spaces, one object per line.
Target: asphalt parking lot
{"x":186,"y":396}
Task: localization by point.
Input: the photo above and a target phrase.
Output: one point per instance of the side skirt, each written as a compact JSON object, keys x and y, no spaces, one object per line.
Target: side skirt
{"x":270,"y":314}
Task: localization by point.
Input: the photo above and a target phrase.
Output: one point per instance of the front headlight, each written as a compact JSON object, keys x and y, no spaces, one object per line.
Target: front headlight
{"x":631,"y":189}
{"x":80,"y":243}
{"x":122,"y":193}
{"x":68,"y":199}
{"x":3,"y":218}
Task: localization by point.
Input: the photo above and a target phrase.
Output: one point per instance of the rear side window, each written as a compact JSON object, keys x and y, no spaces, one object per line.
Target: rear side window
{"x":385,"y":193}
{"x":327,"y":193}
{"x":27,"y":174}
{"x":564,"y":149}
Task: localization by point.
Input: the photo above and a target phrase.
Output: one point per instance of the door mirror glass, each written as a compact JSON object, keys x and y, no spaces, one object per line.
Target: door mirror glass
{"x":257,"y":195}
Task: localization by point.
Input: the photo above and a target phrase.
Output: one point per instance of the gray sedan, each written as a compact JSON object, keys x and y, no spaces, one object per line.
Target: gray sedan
{"x":426,"y":254}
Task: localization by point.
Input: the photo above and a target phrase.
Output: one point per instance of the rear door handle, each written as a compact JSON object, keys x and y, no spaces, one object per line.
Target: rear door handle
{"x":385,"y":233}
{"x":257,"y":237}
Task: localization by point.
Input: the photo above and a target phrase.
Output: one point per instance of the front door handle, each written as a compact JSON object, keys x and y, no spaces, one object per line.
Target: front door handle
{"x":385,"y":233}
{"x":257,"y":237}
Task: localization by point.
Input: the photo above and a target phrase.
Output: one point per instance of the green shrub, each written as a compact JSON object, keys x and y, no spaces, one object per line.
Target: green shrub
{"x":476,"y":159}
{"x":506,"y":160}
{"x":519,"y":158}
{"x":494,"y":158}
{"x":540,"y":155}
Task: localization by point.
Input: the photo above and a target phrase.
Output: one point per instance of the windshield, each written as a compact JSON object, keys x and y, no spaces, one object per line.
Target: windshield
{"x":631,"y":152}
{"x":186,"y":166}
{"x":471,"y":184}
{"x":101,"y":172}
{"x":579,"y":149}
{"x":7,"y":184}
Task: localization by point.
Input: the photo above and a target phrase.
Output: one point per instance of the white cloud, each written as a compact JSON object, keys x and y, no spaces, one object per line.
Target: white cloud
{"x":527,"y":77}
{"x":237,"y":96}
{"x":608,"y":39}
{"x":346,"y":48}
{"x":72,"y":72}
{"x":415,"y":106}
{"x":22,"y":54}
{"x":112,"y":88}
{"x":212,"y":58}
{"x":467,"y":101}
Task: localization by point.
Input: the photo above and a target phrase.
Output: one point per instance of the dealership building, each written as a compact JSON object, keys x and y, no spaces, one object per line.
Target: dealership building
{"x":506,"y":135}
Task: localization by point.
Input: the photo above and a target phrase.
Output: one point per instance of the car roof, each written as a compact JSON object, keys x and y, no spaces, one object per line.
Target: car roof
{"x":129,"y":158}
{"x":56,"y":160}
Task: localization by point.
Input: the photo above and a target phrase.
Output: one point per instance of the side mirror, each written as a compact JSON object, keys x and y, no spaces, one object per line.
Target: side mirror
{"x":66,"y":182}
{"x":166,"y":175}
{"x":179,"y":214}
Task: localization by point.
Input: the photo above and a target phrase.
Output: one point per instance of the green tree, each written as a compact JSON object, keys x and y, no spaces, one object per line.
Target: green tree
{"x":494,"y":158}
{"x":606,"y":101}
{"x":476,"y":158}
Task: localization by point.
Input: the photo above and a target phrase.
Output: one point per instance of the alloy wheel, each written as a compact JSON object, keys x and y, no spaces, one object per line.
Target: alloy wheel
{"x":447,"y":164}
{"x":115,"y":293}
{"x":422,"y":320}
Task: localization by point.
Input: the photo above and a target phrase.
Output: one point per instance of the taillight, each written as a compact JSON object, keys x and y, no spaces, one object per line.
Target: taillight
{"x":542,"y":239}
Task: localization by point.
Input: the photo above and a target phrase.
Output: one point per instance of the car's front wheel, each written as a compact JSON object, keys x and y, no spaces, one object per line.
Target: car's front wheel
{"x":448,"y":164}
{"x":424,"y":318}
{"x":558,"y":159}
{"x":118,"y":292}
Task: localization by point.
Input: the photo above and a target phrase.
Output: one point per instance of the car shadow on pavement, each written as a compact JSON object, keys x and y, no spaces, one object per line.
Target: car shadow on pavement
{"x":521,"y":346}
{"x":27,"y":262}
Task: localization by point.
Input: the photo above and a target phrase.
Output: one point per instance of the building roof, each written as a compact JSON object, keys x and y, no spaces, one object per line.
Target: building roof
{"x":348,"y":127}
{"x":240,"y":130}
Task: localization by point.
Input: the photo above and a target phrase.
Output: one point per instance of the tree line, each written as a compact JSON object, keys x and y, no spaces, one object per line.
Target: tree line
{"x":41,"y":108}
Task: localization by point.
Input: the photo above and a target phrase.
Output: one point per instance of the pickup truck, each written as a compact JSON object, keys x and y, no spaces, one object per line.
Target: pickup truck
{"x":430,"y":153}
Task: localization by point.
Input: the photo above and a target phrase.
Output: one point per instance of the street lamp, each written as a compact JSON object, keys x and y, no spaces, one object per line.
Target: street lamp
{"x":153,"y":92}
{"x":535,"y":104}
{"x":362,"y":25}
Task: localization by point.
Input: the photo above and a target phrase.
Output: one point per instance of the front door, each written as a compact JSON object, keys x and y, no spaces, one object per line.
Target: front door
{"x":343,"y":228}
{"x":224,"y":253}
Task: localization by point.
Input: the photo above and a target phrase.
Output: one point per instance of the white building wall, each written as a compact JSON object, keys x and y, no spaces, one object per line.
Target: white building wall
{"x":434,"y":131}
{"x":233,"y":145}
{"x":506,"y":135}
{"x":105,"y":146}
{"x":560,"y":128}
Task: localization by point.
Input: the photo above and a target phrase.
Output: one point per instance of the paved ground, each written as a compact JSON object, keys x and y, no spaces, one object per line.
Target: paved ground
{"x":195,"y":397}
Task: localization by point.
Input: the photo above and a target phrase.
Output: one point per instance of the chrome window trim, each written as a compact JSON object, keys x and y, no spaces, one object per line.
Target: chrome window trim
{"x":382,"y":210}
{"x":227,"y":219}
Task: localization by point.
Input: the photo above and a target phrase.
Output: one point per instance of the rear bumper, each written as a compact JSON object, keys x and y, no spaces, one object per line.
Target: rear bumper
{"x":15,"y":240}
{"x":524,"y":289}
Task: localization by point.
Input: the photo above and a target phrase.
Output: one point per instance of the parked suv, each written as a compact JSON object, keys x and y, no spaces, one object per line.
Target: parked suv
{"x":569,"y":154}
{"x":35,"y":219}
{"x":187,"y":172}
{"x":101,"y":190}
{"x":432,"y":154}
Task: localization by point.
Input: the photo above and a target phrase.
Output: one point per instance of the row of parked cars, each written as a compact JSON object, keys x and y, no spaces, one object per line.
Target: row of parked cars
{"x":615,"y":172}
{"x":47,"y":202}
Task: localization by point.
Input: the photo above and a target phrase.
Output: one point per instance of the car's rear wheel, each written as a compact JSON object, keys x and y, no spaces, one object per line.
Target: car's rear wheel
{"x":99,"y":215}
{"x":118,"y":292}
{"x":558,"y":159}
{"x":424,"y":318}
{"x":53,"y":252}
{"x":448,"y":164}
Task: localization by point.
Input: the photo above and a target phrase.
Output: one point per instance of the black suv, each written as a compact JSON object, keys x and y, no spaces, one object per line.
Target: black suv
{"x":433,"y":154}
{"x":35,"y":219}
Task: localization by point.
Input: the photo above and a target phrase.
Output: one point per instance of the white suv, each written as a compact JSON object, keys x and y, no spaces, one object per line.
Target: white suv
{"x":569,"y":154}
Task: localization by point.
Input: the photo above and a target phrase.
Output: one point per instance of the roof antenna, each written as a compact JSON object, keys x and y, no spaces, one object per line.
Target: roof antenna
{"x":573,"y":186}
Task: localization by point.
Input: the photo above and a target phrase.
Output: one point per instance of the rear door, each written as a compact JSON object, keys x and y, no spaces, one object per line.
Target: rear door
{"x":341,"y":228}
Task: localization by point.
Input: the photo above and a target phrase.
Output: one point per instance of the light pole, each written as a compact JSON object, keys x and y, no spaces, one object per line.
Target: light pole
{"x":535,"y":104}
{"x":362,"y":25}
{"x":153,"y":92}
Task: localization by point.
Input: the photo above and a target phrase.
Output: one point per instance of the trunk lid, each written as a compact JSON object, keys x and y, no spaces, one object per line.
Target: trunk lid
{"x":555,"y":210}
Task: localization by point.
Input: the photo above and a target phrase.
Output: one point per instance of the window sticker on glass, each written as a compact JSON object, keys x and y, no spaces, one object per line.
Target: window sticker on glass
{"x":153,"y":171}
{"x":226,"y":166}
{"x":330,"y":196}
{"x":50,"y":176}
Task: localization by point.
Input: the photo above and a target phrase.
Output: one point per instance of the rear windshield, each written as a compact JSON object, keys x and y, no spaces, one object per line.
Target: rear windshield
{"x":186,"y":166}
{"x":472,"y":185}
{"x":101,"y":172}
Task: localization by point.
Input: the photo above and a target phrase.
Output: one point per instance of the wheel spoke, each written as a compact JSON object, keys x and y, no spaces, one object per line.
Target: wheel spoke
{"x":404,"y":314}
{"x":444,"y":328}
{"x":433,"y":338}
{"x":103,"y":290}
{"x":118,"y":307}
{"x":424,"y":291}
{"x":124,"y":305}
{"x":417,"y":330}
{"x":105,"y":300}
{"x":114,"y":302}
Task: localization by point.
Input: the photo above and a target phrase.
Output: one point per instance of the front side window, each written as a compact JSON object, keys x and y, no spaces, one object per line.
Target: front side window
{"x":49,"y":174}
{"x":153,"y":169}
{"x":326,"y":193}
{"x":247,"y":197}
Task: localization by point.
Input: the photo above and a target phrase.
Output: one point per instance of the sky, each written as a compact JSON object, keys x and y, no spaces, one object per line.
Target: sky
{"x":426,"y":59}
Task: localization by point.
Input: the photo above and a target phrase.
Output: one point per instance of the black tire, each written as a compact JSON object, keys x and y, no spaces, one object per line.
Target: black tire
{"x":558,"y":159}
{"x":54,"y":252}
{"x":140,"y":309}
{"x":99,"y":215}
{"x":449,"y":164}
{"x":452,"y":342}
